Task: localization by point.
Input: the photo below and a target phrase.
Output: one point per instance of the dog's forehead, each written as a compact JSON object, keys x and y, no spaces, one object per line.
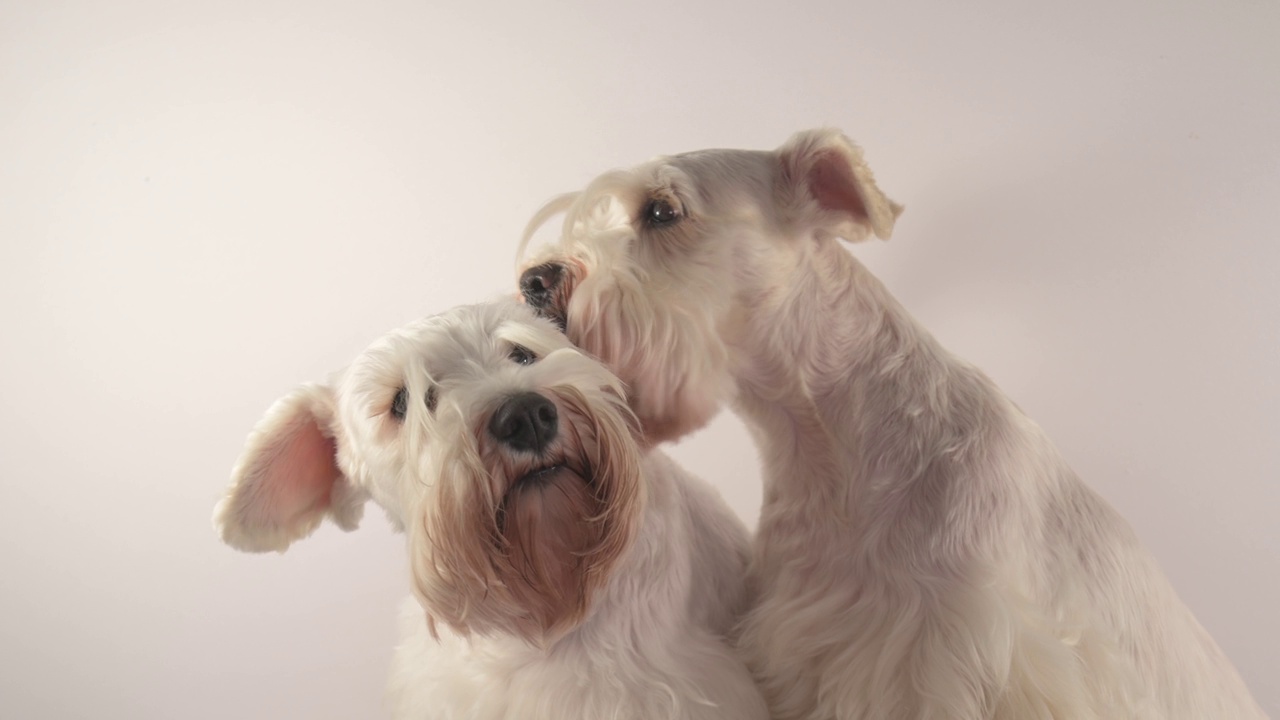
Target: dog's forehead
{"x":713,"y":174}
{"x":715,"y":179}
{"x":463,"y":337}
{"x":720,"y":159}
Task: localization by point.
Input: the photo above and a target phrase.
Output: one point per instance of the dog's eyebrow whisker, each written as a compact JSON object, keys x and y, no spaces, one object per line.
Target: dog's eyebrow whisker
{"x":555,"y":206}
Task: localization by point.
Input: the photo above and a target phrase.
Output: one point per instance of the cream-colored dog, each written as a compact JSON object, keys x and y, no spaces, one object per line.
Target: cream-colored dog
{"x":561,"y":571}
{"x":923,"y":551}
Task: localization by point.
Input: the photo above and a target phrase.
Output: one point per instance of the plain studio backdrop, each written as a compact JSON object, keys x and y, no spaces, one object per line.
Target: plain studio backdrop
{"x":205,"y":204}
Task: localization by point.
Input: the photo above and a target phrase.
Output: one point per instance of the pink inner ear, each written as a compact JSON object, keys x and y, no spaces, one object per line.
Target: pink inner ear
{"x":833,"y":185}
{"x":294,"y":479}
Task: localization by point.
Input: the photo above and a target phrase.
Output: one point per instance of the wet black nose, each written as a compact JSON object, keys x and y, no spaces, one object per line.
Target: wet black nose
{"x":526,"y":421}
{"x":538,"y":284}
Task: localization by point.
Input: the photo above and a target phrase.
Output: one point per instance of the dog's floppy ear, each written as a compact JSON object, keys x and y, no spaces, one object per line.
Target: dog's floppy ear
{"x":825,"y":168}
{"x":287,"y":479}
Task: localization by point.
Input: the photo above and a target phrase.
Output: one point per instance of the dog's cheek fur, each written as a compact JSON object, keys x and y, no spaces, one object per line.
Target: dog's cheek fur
{"x":450,"y":546}
{"x":611,"y":452}
{"x":674,"y":366}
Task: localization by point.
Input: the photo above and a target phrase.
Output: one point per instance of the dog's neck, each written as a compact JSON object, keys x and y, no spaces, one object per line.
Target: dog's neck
{"x":827,"y":371}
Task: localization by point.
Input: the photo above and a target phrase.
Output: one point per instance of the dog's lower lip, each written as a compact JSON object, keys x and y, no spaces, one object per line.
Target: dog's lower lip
{"x":539,"y":475}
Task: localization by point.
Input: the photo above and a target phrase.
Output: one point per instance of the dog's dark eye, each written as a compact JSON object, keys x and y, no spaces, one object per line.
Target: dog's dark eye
{"x":522,"y":355}
{"x":400,"y":404}
{"x":661,"y":212}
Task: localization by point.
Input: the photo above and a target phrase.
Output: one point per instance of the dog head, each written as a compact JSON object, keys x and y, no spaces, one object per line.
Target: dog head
{"x":508,"y":456}
{"x":659,"y":269}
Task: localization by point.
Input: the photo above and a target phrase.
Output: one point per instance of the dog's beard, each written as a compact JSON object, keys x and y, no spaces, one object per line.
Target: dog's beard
{"x":545,"y":523}
{"x":521,"y":545}
{"x":673,"y":363}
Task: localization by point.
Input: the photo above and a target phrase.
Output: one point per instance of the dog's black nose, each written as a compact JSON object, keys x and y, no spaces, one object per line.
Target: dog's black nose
{"x":527,"y":421}
{"x":538,"y":284}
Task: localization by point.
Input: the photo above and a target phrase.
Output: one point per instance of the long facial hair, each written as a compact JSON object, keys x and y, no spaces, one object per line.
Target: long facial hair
{"x":502,"y":549}
{"x":671,"y":359}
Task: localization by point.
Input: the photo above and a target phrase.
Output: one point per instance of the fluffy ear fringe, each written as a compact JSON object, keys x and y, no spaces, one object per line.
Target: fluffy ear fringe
{"x":826,"y":168}
{"x":287,"y":479}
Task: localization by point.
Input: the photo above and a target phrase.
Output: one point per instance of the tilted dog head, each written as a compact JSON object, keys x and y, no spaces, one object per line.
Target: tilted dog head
{"x":507,"y":455}
{"x":657,"y":266}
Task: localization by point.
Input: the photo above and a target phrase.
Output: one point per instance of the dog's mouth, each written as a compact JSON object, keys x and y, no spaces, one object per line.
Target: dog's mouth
{"x":544,"y":486}
{"x":540,"y":476}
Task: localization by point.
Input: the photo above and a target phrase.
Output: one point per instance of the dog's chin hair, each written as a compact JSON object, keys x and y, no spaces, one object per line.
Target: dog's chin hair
{"x":534,"y":573}
{"x":675,"y":367}
{"x":548,"y":528}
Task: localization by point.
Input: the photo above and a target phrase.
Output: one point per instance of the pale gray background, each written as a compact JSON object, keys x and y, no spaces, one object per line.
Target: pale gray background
{"x":203,"y":204}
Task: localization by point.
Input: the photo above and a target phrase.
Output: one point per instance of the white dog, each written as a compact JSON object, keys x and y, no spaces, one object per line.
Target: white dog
{"x":560,"y":570}
{"x":923,"y":550}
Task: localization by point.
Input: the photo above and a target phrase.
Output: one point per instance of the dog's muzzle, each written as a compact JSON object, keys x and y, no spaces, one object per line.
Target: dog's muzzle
{"x":526,"y":421}
{"x":539,"y":285}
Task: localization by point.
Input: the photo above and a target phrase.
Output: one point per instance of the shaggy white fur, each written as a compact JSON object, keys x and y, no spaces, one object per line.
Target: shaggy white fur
{"x":560,"y":569}
{"x":923,"y":550}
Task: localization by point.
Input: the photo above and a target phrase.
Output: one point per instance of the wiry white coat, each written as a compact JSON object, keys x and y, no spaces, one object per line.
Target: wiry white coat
{"x":923,"y":551}
{"x":651,"y":640}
